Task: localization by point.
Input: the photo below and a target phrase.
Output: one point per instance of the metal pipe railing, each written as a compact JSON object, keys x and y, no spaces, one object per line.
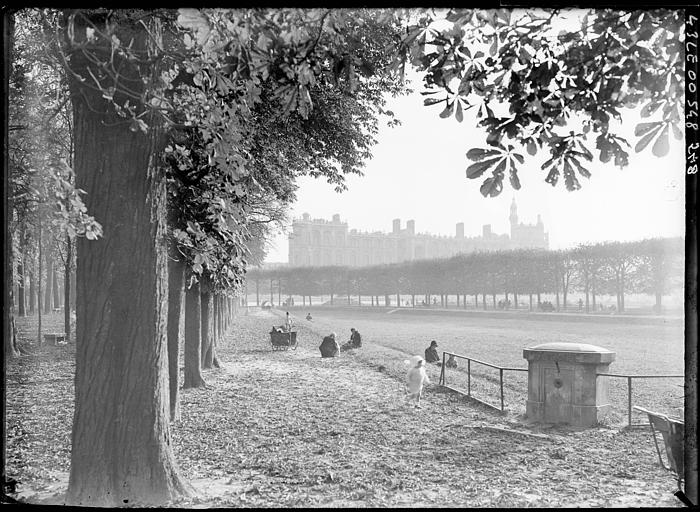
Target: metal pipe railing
{"x":629,"y":390}
{"x":501,"y":369}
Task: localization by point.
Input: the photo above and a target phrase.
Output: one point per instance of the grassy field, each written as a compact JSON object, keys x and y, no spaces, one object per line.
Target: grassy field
{"x":642,"y":347}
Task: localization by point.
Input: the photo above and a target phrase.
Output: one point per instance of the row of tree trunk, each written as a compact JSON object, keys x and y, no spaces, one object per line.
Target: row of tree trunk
{"x":589,"y":292}
{"x":27,"y":288}
{"x":208,"y":317}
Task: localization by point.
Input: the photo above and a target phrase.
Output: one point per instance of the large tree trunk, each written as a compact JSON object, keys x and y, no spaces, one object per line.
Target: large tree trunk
{"x":55,"y":288}
{"x":6,"y":235}
{"x":48,"y":293}
{"x":176,"y":286}
{"x":21,"y":301}
{"x":121,"y":452}
{"x":66,"y":288}
{"x":207,"y":340}
{"x":73,"y":287}
{"x":193,"y":338}
{"x":216,"y":330}
{"x":32,"y":293}
{"x":38,"y":291}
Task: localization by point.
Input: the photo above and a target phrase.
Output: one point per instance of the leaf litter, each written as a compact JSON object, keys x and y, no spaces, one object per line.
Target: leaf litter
{"x":291,"y":429}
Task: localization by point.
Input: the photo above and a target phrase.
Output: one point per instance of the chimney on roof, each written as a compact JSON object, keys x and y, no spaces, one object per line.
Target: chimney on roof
{"x":411,"y":227}
{"x":396,"y":226}
{"x":336,"y":218}
{"x":460,"y":230}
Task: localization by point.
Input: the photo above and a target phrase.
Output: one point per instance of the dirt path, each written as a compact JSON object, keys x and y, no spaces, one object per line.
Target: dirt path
{"x":307,"y":431}
{"x":282,"y":429}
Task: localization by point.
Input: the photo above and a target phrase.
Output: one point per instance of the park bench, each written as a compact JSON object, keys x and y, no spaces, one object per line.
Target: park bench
{"x":671,"y":432}
{"x":55,"y":338}
{"x":283,"y":340}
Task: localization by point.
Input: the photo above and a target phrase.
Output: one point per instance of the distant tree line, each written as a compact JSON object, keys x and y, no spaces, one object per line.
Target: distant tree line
{"x":652,"y":266}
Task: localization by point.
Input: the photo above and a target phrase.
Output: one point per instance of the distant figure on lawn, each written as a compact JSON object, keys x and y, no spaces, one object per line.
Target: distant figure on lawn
{"x":329,"y":347}
{"x":451,"y":362}
{"x":308,"y":317}
{"x":288,"y":323}
{"x":416,"y":378}
{"x":355,"y":340}
{"x":431,"y":353}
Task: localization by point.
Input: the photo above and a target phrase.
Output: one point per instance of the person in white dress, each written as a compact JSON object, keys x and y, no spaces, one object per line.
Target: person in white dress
{"x":416,"y":378}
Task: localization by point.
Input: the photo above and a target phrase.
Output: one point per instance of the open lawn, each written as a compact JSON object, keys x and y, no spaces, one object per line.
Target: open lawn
{"x":643,"y":346}
{"x":291,"y":429}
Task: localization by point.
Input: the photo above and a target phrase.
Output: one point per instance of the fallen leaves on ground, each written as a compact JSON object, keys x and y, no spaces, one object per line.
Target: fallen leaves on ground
{"x":290,"y":429}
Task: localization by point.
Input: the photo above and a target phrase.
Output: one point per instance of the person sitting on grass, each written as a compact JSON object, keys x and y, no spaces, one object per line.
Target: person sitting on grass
{"x":431,"y":353}
{"x":308,"y":317}
{"x":355,"y":340}
{"x":451,"y":362}
{"x":329,"y":347}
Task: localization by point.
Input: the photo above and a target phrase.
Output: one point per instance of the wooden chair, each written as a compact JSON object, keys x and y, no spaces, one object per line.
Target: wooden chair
{"x":671,"y":431}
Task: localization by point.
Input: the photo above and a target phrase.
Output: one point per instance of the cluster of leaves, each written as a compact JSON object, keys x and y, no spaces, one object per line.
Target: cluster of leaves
{"x":255,"y":147}
{"x":207,"y":228}
{"x":552,"y":70}
{"x":250,"y":99}
{"x":40,"y":144}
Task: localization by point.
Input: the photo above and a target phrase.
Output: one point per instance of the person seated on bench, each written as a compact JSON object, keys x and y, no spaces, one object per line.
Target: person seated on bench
{"x":431,"y":353}
{"x":329,"y":347}
{"x":451,"y":362}
{"x":355,"y":340}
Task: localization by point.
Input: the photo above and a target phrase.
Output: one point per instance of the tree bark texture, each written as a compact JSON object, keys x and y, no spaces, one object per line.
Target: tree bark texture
{"x":193,"y":338}
{"x":73,"y":286}
{"x":55,"y":288}
{"x":32,"y":293}
{"x":48,"y":292}
{"x":207,"y":339}
{"x":21,"y":300}
{"x":176,"y":285}
{"x":218,"y":329}
{"x":121,"y":452}
{"x":8,"y":32}
{"x":38,"y":274}
{"x":66,"y":287}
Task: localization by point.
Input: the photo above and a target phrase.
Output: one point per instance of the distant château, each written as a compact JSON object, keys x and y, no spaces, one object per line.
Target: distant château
{"x":318,"y":242}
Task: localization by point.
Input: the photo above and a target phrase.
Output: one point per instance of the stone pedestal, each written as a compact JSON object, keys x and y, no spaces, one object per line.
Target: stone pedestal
{"x":562,"y":385}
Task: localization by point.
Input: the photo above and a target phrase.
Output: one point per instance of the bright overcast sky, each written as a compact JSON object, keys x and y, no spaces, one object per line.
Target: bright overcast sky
{"x":418,"y":172}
